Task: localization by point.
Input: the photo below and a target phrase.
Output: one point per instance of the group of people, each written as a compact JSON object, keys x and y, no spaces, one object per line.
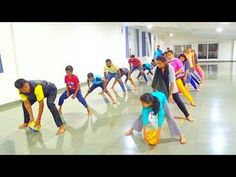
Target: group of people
{"x":169,"y":79}
{"x":169,"y":75}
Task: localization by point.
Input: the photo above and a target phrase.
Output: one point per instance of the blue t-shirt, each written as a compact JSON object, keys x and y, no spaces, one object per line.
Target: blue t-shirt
{"x":97,"y":80}
{"x":157,"y":53}
{"x":148,"y":66}
{"x":161,"y":114}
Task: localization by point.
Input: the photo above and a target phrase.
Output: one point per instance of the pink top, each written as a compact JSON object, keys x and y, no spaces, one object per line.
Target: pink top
{"x":177,"y":64}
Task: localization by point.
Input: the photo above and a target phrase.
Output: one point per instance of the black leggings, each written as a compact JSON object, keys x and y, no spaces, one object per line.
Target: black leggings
{"x":180,"y":104}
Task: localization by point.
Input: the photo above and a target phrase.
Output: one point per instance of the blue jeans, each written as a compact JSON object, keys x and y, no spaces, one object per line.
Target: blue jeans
{"x":78,"y":96}
{"x":115,"y":75}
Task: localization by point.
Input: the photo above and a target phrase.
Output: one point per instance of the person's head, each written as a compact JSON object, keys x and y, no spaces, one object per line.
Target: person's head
{"x":169,"y":54}
{"x":182,"y":57}
{"x":144,"y":66}
{"x":132,"y":56}
{"x":158,"y":46}
{"x":22,"y":85}
{"x":193,"y":51}
{"x":90,"y":76}
{"x":153,"y":62}
{"x":108,"y":63}
{"x":69,"y":70}
{"x":164,"y":54}
{"x":188,"y":49}
{"x":148,"y":100}
{"x":161,"y":62}
{"x":167,"y":48}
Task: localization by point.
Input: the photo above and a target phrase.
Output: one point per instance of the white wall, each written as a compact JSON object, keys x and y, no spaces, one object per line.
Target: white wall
{"x":7,"y":89}
{"x":234,"y":50}
{"x":43,"y":50}
{"x":225,"y":50}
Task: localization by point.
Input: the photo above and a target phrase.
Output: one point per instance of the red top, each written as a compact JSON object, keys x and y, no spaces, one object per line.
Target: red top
{"x":135,"y":62}
{"x":72,"y":82}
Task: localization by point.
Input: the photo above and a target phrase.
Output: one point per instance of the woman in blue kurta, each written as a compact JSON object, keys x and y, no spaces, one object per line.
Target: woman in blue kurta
{"x":156,"y":104}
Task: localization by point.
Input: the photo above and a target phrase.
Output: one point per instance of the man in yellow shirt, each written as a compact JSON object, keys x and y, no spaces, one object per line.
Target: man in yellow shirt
{"x":36,"y":90}
{"x":190,"y":57}
{"x":110,"y":71}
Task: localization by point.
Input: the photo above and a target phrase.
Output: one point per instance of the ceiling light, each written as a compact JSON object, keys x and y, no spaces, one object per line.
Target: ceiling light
{"x":149,"y":26}
{"x":171,"y":34}
{"x":219,"y":30}
{"x":224,"y":23}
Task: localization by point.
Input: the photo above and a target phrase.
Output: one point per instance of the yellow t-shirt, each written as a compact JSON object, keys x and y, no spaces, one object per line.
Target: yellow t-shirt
{"x":112,"y":69}
{"x":190,"y":58}
{"x":38,"y":91}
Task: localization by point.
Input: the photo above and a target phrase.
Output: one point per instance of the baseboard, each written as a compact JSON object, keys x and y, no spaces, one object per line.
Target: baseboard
{"x":203,"y":61}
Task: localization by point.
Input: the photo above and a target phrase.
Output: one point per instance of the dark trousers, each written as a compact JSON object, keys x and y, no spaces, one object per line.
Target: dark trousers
{"x":140,"y":72}
{"x":79,"y":96}
{"x":180,"y":104}
{"x":51,"y":106}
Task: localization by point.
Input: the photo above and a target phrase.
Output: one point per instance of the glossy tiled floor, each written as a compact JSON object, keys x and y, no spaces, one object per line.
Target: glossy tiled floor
{"x":213,"y":131}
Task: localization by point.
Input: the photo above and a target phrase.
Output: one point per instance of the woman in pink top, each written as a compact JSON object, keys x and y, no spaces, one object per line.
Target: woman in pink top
{"x":179,"y":73}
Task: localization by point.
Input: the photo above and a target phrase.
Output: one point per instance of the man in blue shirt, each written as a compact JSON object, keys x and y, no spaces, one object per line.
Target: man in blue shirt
{"x":158,"y":52}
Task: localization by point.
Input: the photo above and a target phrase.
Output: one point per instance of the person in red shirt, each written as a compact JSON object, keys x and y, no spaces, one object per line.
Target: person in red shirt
{"x":72,"y":87}
{"x":135,"y":63}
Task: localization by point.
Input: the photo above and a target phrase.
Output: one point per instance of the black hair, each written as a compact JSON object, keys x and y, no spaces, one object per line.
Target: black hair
{"x":19,"y":83}
{"x":153,"y":60}
{"x":108,"y":60}
{"x":184,"y":56}
{"x":169,"y":51}
{"x":132,"y":56}
{"x":90,"y":75}
{"x":148,"y":98}
{"x":143,"y":65}
{"x":162,"y":59}
{"x":69,"y":68}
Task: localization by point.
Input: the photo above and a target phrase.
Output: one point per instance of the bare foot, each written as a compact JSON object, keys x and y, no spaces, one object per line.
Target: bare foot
{"x":24,"y":125}
{"x":182,"y":140}
{"x":89,"y":112}
{"x":113,"y":102}
{"x":61,"y":130}
{"x":193,"y":104}
{"x":189,"y":119}
{"x":129,"y":132}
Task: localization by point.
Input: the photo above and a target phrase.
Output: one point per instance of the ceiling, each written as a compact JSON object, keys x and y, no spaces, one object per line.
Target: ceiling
{"x":201,"y":29}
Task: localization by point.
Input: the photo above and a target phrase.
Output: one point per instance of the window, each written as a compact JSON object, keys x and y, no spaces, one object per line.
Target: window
{"x":208,"y":51}
{"x":212,"y":51}
{"x":187,"y":46}
{"x":202,"y":51}
{"x":177,"y":50}
{"x":1,"y":67}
